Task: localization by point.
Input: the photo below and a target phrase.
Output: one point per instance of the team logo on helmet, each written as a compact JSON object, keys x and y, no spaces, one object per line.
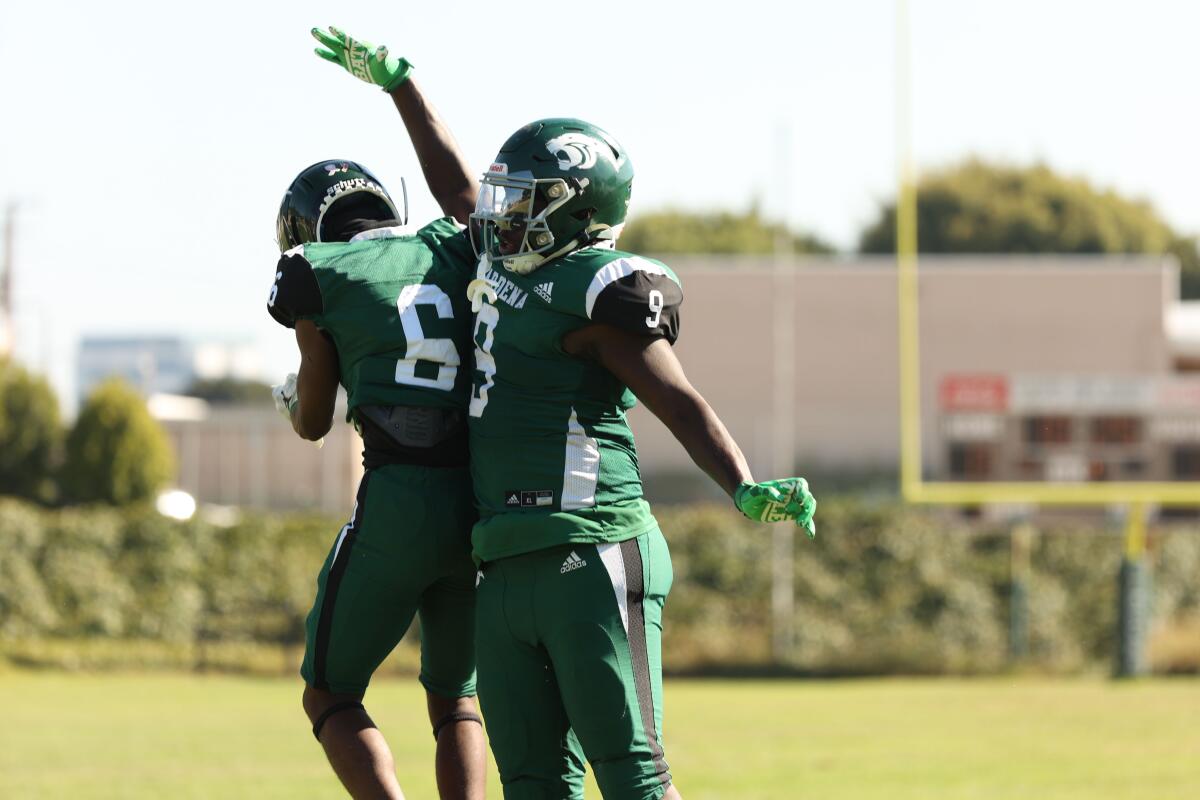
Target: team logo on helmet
{"x":334,"y":169}
{"x":578,"y":150}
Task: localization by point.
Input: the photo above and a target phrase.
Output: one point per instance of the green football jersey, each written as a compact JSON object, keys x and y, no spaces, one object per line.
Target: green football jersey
{"x":395,"y":306}
{"x":552,"y":456}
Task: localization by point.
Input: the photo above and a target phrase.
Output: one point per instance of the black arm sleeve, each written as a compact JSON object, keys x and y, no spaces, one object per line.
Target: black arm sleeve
{"x":295,"y":293}
{"x":641,"y":302}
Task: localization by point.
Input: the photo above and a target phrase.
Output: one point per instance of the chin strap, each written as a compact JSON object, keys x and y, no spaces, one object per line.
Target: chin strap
{"x":455,"y":716}
{"x":481,"y":288}
{"x":589,"y":235}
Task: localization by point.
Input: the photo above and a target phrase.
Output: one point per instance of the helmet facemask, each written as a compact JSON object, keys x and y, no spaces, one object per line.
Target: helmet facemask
{"x":556,"y":186}
{"x":512,"y":219}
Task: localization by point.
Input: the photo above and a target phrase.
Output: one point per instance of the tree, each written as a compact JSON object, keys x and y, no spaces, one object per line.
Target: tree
{"x":30,"y":434}
{"x":116,"y":452}
{"x":976,"y":207}
{"x":674,"y":231}
{"x":229,"y":391}
{"x":1187,"y":250}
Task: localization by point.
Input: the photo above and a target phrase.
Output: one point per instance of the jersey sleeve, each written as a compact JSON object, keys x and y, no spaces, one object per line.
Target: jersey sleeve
{"x":295,"y":293}
{"x":637,"y":295}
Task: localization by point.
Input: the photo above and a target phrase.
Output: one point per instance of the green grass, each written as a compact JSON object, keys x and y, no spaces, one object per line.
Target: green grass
{"x":179,"y":736}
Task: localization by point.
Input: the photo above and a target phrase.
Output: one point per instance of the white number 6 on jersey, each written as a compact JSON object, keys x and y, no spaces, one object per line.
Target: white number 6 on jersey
{"x":656,"y":308}
{"x":440,"y":351}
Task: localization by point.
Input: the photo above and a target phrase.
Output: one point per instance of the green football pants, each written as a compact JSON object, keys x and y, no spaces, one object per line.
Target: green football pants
{"x":570,"y":668}
{"x":405,"y":551}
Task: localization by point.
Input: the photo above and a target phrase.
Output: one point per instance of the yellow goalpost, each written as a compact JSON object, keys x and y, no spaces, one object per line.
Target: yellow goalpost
{"x":914,"y":487}
{"x":1135,"y":496}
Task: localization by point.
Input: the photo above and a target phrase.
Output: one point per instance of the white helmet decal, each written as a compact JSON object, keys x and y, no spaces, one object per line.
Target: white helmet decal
{"x":578,"y":150}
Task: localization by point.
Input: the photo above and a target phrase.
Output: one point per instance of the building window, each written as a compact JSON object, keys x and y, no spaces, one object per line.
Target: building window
{"x":1047,"y":430}
{"x":1116,"y":430}
{"x":1133,"y":467}
{"x":970,"y":461}
{"x":1185,"y":462}
{"x":1031,"y":469}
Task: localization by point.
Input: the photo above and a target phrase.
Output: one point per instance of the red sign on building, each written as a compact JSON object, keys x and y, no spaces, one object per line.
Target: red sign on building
{"x":973,"y":393}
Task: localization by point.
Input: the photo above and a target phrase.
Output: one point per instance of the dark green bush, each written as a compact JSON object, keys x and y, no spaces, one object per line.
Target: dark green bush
{"x":883,"y":588}
{"x":116,"y":452}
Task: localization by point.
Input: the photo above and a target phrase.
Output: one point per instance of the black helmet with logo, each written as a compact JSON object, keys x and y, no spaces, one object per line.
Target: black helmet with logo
{"x":327,"y":193}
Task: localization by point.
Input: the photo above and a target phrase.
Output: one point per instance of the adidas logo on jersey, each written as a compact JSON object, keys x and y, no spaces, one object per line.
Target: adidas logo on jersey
{"x":543,"y":290}
{"x":524,"y":498}
{"x":573,"y":562}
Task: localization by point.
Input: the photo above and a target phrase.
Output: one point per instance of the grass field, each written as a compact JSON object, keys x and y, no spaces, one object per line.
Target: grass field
{"x":178,"y":736}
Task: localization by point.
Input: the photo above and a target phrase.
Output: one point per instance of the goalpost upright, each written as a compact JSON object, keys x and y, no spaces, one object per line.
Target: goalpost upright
{"x":1135,"y":496}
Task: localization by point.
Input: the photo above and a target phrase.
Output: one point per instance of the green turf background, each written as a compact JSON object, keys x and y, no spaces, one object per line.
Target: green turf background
{"x":162,"y":735}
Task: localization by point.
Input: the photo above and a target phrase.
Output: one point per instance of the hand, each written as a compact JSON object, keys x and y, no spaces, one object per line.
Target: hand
{"x":779,"y":500}
{"x":363,"y":60}
{"x":285,"y":396}
{"x":286,"y":399}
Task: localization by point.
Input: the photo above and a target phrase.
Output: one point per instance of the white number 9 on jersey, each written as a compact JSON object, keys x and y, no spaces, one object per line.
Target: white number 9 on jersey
{"x":656,"y":308}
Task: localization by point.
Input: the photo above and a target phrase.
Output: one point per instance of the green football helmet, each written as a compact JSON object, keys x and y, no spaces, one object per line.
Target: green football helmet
{"x":327,"y":194}
{"x":556,"y":185}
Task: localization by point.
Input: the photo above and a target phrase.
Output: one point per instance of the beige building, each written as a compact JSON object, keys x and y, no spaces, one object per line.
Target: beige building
{"x":250,"y":456}
{"x":1056,"y":368}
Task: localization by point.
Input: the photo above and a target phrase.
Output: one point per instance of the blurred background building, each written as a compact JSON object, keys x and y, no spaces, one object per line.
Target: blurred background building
{"x":150,"y":364}
{"x":247,"y":455}
{"x":1055,"y":368}
{"x":162,"y":364}
{"x":1059,"y":368}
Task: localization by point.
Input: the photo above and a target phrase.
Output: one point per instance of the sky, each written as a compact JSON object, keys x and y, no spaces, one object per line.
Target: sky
{"x":148,"y":144}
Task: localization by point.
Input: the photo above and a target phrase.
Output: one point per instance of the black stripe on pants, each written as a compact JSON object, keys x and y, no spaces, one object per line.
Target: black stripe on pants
{"x":336,"y":570}
{"x":635,"y":591}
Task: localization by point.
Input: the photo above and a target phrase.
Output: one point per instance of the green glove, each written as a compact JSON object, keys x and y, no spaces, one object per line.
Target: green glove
{"x":776,"y":501}
{"x":363,"y":60}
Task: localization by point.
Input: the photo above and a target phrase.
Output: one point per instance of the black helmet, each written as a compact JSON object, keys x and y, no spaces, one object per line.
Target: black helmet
{"x":305,"y":213}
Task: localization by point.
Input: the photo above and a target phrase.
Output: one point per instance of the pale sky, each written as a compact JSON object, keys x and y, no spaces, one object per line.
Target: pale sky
{"x":149,"y":144}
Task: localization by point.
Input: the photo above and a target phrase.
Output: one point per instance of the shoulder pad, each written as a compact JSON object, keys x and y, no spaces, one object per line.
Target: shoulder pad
{"x":295,"y":293}
{"x":638,"y":295}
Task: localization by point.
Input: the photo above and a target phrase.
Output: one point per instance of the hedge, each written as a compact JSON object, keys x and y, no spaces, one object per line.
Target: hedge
{"x":882,"y":589}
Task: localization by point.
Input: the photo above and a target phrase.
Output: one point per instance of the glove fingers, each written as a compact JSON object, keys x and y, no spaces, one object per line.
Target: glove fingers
{"x":797,"y":511}
{"x":328,"y":55}
{"x":771,"y":493}
{"x":809,"y":527}
{"x":348,"y":42}
{"x":324,"y":38}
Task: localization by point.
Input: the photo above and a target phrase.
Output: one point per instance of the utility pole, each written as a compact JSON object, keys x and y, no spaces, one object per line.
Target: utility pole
{"x":1021,"y":539}
{"x":783,"y":414}
{"x":7,"y":335}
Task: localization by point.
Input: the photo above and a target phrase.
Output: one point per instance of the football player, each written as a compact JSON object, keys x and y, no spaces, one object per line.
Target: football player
{"x":575,"y":572}
{"x":385,"y":315}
